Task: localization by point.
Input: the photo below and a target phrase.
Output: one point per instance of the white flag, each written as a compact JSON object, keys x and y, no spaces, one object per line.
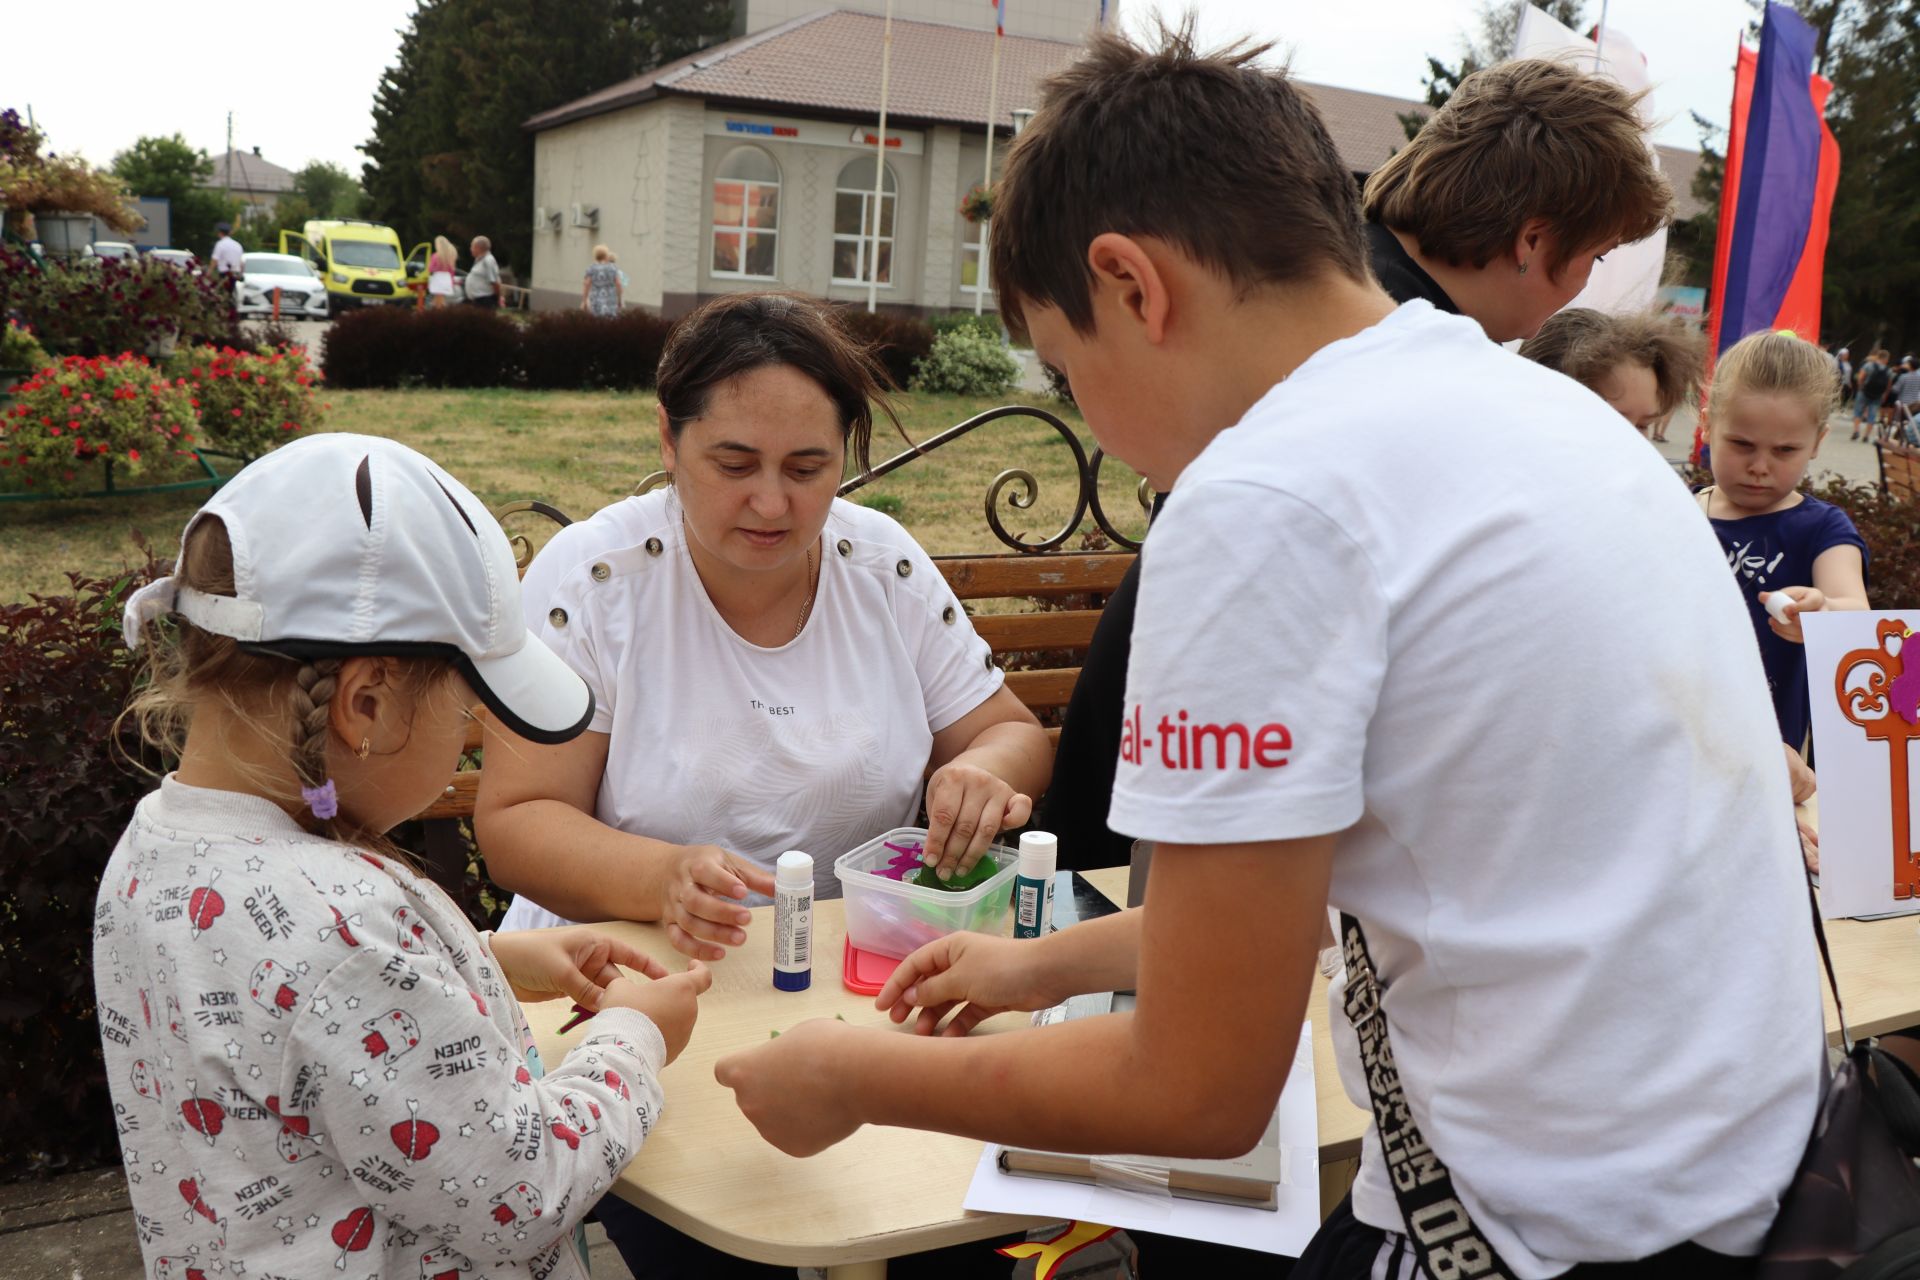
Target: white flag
{"x":1630,"y":277}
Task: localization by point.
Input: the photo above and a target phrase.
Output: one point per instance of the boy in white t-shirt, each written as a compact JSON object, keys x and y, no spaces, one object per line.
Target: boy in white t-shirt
{"x":1469,"y":670}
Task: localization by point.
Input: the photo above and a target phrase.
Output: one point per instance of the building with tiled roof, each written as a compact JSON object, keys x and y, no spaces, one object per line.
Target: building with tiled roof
{"x":252,"y":178}
{"x":751,"y":164}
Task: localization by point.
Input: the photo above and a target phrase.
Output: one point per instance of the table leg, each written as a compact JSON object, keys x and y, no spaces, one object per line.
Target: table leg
{"x":875,"y":1270}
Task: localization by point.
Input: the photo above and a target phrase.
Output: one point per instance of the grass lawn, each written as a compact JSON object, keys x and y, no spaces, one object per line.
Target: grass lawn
{"x":580,"y":451}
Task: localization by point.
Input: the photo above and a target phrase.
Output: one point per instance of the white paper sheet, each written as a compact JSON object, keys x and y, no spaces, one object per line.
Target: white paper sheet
{"x":1859,"y":849}
{"x":1285,"y":1230}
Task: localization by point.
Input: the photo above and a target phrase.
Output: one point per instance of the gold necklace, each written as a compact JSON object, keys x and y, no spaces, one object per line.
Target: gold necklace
{"x":806,"y":608}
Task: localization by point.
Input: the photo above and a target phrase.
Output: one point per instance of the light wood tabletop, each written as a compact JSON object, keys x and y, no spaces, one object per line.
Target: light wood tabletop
{"x":885,"y":1192}
{"x":880,"y":1194}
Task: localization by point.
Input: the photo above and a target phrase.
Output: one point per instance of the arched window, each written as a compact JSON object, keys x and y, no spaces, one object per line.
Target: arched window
{"x":853,"y":244}
{"x":746,"y":214}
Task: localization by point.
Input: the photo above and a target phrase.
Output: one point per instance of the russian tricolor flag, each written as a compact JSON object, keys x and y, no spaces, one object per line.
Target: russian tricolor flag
{"x":1782,"y":169}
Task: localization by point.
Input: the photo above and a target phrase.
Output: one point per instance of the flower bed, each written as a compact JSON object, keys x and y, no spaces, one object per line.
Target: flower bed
{"x":103,"y":306}
{"x":250,"y":402}
{"x":151,"y":422}
{"x":67,"y":418}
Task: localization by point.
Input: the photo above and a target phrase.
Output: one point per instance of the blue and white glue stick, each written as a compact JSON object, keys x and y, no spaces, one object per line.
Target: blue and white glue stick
{"x":1033,"y":884}
{"x":793,"y":921}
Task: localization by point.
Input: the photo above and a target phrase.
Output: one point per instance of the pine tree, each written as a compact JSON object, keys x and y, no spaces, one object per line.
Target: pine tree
{"x":448,"y":154}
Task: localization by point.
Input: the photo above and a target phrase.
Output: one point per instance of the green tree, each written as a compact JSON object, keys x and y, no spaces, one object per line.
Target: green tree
{"x":330,"y":190}
{"x":448,"y":155}
{"x":1497,"y":26}
{"x":259,"y":228}
{"x":168,"y":167}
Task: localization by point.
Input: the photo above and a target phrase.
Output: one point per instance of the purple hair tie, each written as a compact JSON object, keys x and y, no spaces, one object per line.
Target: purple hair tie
{"x":323,"y":800}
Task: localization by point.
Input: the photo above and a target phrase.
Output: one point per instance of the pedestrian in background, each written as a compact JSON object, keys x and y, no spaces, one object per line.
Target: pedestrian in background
{"x":228,"y":258}
{"x":483,"y":278}
{"x":440,"y":272}
{"x":602,"y":292}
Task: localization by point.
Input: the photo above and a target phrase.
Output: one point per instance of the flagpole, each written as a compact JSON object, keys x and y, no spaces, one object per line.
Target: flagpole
{"x":986,"y":182}
{"x":880,"y":161}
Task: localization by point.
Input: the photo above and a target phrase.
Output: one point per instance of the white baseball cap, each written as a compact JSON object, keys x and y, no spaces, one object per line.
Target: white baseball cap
{"x":346,"y":545}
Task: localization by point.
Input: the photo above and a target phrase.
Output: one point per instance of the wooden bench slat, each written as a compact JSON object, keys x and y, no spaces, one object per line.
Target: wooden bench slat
{"x":1011,"y":632}
{"x":1899,"y":469}
{"x":456,"y":801}
{"x":984,"y":577}
{"x":1043,"y":689}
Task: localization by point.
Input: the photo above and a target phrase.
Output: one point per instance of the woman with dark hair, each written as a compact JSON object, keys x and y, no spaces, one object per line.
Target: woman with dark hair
{"x":772,"y":668}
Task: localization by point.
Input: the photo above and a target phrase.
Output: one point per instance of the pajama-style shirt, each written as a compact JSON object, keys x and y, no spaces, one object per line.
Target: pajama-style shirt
{"x":318,"y":1068}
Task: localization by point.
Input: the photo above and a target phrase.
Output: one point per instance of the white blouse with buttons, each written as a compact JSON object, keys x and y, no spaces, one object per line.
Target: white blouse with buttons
{"x":817,"y":744}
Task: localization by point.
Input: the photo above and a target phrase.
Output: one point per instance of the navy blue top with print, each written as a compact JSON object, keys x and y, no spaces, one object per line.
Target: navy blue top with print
{"x":1778,"y":550}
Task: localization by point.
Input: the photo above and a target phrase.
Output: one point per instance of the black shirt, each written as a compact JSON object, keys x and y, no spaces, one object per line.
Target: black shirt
{"x":1075,"y":806}
{"x":1402,"y":277}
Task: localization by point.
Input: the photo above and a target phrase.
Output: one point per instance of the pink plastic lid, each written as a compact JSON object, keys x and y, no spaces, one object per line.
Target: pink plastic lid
{"x":865,"y":972}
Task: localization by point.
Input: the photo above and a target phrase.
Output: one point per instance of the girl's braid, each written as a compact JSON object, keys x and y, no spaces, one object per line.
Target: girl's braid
{"x":312,"y":698}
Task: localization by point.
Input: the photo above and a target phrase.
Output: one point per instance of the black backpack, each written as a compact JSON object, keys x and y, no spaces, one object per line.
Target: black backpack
{"x":1878,"y":376}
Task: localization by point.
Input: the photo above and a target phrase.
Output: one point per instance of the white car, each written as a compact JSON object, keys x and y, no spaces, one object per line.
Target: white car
{"x":181,"y":258}
{"x":303,"y":295}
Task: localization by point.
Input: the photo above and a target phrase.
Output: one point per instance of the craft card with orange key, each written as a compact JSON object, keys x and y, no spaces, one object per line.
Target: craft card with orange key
{"x":1863,"y":672}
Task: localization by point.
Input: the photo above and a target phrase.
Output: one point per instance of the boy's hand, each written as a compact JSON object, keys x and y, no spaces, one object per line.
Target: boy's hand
{"x":793,"y":1088}
{"x":1801,"y":600}
{"x":986,"y":975}
{"x":700,"y":904}
{"x":966,"y":808}
{"x":576,"y":961}
{"x":672,"y":1000}
{"x":1810,"y":846}
{"x":1801,"y":777}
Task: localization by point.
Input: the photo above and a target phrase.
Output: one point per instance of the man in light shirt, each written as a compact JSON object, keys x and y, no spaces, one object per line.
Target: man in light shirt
{"x":483,"y":277}
{"x":228,"y":259}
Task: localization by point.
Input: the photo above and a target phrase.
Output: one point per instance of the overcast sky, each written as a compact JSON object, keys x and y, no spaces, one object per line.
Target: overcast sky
{"x":298,"y":99}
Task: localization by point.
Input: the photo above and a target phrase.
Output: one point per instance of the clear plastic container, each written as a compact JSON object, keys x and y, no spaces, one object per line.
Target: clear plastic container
{"x":894,"y":918}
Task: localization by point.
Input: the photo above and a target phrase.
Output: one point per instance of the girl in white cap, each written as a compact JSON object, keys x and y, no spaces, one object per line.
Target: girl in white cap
{"x":317,"y":1065}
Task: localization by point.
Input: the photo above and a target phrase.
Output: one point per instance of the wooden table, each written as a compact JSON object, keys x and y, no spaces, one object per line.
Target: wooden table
{"x":887,"y":1192}
{"x":880,"y":1194}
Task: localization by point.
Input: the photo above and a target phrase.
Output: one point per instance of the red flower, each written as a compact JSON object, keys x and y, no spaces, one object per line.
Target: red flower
{"x":133,"y":455}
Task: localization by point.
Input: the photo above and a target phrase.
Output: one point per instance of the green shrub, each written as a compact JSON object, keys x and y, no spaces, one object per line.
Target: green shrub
{"x":897,"y":341}
{"x":1891,"y":529}
{"x":965,"y":321}
{"x":575,"y":350}
{"x":19,"y":349}
{"x":967,"y":363}
{"x":64,"y":675}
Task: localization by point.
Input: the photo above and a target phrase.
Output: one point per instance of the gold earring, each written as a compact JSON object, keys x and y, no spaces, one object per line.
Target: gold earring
{"x":363,"y":749}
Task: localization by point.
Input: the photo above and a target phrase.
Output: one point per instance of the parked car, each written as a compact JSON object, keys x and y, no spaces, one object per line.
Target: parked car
{"x":111,"y":249}
{"x":181,"y":258}
{"x":303,"y":295}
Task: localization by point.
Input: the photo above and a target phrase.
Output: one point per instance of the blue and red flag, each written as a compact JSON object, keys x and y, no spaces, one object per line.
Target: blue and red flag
{"x":999,"y":17}
{"x":1783,"y":167}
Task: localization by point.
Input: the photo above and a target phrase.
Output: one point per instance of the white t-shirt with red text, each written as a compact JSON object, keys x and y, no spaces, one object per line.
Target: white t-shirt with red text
{"x":1486,"y":637}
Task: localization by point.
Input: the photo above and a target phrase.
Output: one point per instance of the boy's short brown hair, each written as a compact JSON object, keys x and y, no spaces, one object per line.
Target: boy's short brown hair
{"x":1219,"y":157}
{"x":1586,"y":345}
{"x":1522,"y":140}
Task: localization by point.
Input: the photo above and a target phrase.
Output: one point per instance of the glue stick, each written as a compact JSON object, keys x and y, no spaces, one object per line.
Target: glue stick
{"x":793,"y":921}
{"x":1777,"y":602}
{"x":1033,"y":884}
